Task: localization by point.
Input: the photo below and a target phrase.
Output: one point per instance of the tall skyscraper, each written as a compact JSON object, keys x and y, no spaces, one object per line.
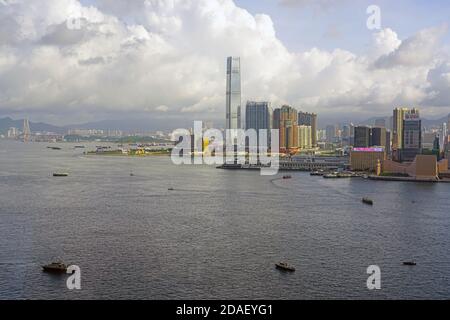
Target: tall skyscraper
{"x":397,"y":127}
{"x":309,"y":119}
{"x":378,"y":137}
{"x":258,"y":115}
{"x":388,"y":143}
{"x":362,"y":137}
{"x":443,"y":134}
{"x":412,"y":136}
{"x":304,"y":137}
{"x":233,"y":107}
{"x":288,"y":126}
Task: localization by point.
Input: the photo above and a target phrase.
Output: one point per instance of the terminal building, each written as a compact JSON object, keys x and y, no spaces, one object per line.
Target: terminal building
{"x":366,"y":159}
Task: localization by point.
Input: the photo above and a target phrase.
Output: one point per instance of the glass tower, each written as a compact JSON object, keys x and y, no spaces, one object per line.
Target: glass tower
{"x":233,"y":108}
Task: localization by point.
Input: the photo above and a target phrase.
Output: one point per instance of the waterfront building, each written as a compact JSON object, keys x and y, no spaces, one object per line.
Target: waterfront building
{"x":362,"y":137}
{"x":423,"y":167}
{"x":305,"y":137}
{"x":309,"y":119}
{"x":378,"y":137}
{"x":258,"y":116}
{"x":366,"y":159}
{"x":233,"y":93}
{"x":412,"y":137}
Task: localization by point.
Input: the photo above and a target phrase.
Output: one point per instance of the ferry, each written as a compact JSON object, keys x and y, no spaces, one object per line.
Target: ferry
{"x":55,"y":267}
{"x":60,"y":174}
{"x":284,"y":266}
{"x":367,"y":201}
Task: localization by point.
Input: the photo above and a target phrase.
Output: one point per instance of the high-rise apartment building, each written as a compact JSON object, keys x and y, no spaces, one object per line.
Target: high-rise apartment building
{"x":288,"y":125}
{"x":309,"y":119}
{"x":305,"y":137}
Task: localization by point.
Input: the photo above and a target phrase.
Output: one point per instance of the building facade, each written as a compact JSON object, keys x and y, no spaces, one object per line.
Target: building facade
{"x":309,"y":119}
{"x":258,"y":116}
{"x":233,"y":93}
{"x":412,"y":137}
{"x":288,"y":126}
{"x":378,"y":137}
{"x":362,"y":137}
{"x":305,"y":137}
{"x":366,"y":159}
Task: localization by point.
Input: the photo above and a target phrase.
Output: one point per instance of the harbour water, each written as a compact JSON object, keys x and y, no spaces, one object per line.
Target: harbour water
{"x":217,"y":235}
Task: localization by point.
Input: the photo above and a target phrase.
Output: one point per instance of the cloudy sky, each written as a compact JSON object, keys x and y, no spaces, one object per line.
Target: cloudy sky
{"x":69,"y":61}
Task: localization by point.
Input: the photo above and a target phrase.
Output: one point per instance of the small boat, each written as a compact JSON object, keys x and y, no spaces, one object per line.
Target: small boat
{"x":171,"y":189}
{"x":367,"y":201}
{"x":409,"y":263}
{"x":55,"y":267}
{"x":285,"y":266}
{"x":60,"y":174}
{"x":79,"y":147}
{"x":287,"y":177}
{"x":54,"y":148}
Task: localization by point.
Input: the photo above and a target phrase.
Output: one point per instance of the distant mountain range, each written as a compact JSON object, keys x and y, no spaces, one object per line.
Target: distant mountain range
{"x":133,"y":125}
{"x":6,"y":123}
{"x":128,"y":125}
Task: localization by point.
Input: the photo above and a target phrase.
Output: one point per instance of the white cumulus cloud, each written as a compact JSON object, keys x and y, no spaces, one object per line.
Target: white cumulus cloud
{"x":167,"y":57}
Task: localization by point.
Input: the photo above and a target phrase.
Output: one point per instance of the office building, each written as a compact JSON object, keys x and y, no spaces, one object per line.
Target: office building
{"x":397,"y":127}
{"x":362,"y":137}
{"x":378,"y":137}
{"x":233,"y":93}
{"x":388,"y":146}
{"x":412,"y":137}
{"x":258,"y":116}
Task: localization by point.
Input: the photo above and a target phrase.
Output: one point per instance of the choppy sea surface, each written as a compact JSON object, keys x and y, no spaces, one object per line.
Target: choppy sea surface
{"x":216,"y":236}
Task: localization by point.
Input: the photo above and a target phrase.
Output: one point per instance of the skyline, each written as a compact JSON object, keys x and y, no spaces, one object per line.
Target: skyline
{"x":165,"y":61}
